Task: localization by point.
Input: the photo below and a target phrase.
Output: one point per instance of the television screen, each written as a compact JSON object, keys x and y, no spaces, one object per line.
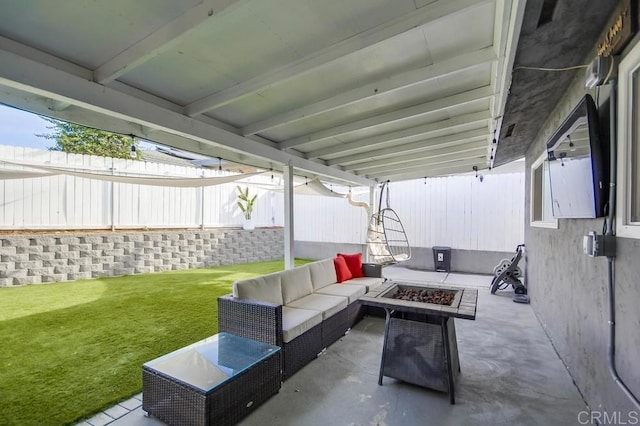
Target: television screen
{"x":575,"y":165}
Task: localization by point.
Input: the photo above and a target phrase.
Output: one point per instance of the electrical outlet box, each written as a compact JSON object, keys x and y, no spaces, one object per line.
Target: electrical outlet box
{"x":598,"y":70}
{"x":595,"y":245}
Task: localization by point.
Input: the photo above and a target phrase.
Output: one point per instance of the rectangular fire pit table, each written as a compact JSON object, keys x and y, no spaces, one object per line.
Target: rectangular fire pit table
{"x":420,"y":345}
{"x":218,"y":380}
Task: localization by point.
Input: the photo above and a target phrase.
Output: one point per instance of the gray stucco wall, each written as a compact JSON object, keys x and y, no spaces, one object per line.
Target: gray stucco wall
{"x":568,"y":290}
{"x":478,"y":262}
{"x":35,"y":259}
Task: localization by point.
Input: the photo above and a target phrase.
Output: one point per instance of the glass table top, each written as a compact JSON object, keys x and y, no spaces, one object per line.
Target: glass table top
{"x":209,"y":363}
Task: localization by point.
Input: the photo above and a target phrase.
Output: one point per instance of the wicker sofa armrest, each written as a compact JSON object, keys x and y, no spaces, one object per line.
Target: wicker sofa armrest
{"x":252,"y":319}
{"x":372,"y":270}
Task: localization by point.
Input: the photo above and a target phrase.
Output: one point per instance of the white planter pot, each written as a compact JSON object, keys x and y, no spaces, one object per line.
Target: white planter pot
{"x":248,"y":225}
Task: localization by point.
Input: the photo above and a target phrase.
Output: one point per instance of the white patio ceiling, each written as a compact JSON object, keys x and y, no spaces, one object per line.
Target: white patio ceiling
{"x":355,"y":90}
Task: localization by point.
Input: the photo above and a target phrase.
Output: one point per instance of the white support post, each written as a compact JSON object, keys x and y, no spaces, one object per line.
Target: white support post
{"x":372,"y":199}
{"x":372,"y":210}
{"x":202,"y":191}
{"x":287,"y":172}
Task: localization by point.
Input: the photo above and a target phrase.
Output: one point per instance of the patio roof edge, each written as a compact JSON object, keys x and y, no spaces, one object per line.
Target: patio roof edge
{"x":41,"y":79}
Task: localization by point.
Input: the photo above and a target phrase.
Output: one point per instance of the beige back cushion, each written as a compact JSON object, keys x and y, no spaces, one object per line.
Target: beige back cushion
{"x":323,"y":273}
{"x":296,"y":283}
{"x":267,"y":288}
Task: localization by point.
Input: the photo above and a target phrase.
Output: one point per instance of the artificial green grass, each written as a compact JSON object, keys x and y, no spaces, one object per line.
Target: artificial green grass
{"x":68,"y":350}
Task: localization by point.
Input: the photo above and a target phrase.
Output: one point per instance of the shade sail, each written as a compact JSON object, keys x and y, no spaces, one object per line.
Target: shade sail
{"x":313,"y":187}
{"x":118,"y":176}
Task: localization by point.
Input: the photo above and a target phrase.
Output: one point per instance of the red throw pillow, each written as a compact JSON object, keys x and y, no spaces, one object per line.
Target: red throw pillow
{"x":342,"y":270}
{"x":354,"y":263}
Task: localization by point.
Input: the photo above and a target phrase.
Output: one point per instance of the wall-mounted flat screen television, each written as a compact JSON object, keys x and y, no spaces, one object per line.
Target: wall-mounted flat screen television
{"x":576,"y":173}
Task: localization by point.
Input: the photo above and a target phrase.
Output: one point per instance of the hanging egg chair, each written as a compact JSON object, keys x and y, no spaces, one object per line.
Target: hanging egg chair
{"x":387,"y":242}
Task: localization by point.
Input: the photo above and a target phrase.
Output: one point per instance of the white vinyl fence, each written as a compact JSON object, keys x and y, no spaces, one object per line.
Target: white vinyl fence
{"x":462,"y":212}
{"x":70,"y":202}
{"x":456,"y":211}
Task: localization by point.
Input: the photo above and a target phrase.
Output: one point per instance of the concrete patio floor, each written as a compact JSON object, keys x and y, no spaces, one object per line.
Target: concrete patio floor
{"x":510,"y":375}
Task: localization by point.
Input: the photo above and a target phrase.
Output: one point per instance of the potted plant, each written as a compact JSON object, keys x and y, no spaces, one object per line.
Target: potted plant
{"x":246,"y":204}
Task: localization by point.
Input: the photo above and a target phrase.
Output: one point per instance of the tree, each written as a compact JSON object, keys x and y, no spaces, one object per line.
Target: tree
{"x":77,"y":139}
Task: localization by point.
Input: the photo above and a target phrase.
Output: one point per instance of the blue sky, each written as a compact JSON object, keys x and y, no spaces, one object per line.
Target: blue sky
{"x":19,"y":128}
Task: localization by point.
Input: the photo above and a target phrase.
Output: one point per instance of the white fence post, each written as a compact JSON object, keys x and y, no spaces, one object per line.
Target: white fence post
{"x":113,"y":199}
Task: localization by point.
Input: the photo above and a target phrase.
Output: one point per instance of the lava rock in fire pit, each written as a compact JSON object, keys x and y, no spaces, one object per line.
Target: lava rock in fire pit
{"x":437,"y":297}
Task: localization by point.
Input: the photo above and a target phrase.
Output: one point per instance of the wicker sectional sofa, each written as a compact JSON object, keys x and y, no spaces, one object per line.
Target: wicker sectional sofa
{"x":303,"y":310}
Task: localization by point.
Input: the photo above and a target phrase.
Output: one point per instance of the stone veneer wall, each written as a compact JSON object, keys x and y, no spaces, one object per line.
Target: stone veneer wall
{"x":35,"y":259}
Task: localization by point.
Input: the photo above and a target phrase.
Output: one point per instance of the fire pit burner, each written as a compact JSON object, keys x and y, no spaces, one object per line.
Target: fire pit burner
{"x":438,"y":297}
{"x":425,"y":299}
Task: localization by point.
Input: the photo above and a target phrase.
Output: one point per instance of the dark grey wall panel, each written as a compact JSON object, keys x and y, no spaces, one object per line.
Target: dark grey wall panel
{"x":568,"y":290}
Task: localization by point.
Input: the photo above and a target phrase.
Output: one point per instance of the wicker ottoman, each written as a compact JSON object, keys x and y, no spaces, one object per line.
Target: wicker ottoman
{"x":218,"y":380}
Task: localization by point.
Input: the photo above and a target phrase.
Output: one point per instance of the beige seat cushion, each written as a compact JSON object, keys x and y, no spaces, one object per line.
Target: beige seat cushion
{"x":297,"y":321}
{"x":328,"y":305}
{"x":368,"y":282}
{"x":401,"y":257}
{"x":266,"y":288}
{"x":378,"y":248}
{"x":296,"y":283}
{"x":323,"y":273}
{"x":351,"y":292}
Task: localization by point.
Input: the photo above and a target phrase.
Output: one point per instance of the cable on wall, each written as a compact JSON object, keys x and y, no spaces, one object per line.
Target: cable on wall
{"x":575,"y":67}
